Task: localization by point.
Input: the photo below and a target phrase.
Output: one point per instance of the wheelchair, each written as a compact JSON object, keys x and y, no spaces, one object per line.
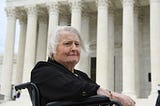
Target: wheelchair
{"x":88,"y":101}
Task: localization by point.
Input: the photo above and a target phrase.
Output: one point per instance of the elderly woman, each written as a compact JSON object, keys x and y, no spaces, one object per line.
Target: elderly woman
{"x":57,"y":79}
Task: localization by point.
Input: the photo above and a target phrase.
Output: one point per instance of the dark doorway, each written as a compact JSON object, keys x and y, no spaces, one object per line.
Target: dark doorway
{"x":93,"y":68}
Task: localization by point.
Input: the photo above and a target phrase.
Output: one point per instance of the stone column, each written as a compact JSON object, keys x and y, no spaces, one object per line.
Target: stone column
{"x":42,"y":39}
{"x":76,"y":14}
{"x":155,"y":44}
{"x":6,"y":74}
{"x":118,"y":51}
{"x":128,"y":48}
{"x":76,"y":23}
{"x":102,"y":71}
{"x":111,"y":49}
{"x":137,"y":49}
{"x":21,"y":50}
{"x":30,"y":46}
{"x":142,"y":91}
{"x":85,"y":60}
{"x":53,"y":18}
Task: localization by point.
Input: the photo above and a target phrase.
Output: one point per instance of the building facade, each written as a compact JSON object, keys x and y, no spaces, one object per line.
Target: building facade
{"x":121,"y":37}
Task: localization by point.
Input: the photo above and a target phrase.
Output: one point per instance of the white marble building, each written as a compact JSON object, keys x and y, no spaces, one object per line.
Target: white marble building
{"x":122,"y":39}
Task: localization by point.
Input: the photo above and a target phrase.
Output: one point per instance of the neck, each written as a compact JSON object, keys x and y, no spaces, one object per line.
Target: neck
{"x":70,"y":69}
{"x":69,"y":66}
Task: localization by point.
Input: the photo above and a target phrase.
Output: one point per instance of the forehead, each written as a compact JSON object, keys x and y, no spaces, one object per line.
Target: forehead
{"x":67,"y":36}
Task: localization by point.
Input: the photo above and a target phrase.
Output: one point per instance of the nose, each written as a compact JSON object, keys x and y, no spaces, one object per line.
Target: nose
{"x":74,"y":47}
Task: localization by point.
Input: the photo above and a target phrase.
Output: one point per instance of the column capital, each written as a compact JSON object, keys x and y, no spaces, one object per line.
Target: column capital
{"x":102,"y":3}
{"x":75,"y":4}
{"x":31,"y":10}
{"x":42,"y":16}
{"x":22,"y":17}
{"x":52,"y":7}
{"x":10,"y":11}
{"x":22,"y":20}
{"x":128,"y":2}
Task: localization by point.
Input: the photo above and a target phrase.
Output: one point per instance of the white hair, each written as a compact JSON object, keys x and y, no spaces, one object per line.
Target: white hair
{"x":55,"y":38}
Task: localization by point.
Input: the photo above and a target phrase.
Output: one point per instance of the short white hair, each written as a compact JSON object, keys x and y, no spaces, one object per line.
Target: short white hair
{"x":55,"y":38}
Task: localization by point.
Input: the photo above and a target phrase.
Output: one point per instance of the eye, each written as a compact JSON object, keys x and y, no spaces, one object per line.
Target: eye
{"x":67,"y":44}
{"x":77,"y":43}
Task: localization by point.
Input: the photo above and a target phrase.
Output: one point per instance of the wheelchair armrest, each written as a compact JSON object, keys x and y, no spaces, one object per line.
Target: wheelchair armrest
{"x":33,"y":92}
{"x":85,"y":101}
{"x":22,"y":86}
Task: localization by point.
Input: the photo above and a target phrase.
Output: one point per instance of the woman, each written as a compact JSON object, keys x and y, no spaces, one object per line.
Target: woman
{"x":57,"y":78}
{"x":158,"y":98}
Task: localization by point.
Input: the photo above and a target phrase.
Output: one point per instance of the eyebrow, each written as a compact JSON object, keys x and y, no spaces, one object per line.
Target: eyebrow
{"x":71,"y":40}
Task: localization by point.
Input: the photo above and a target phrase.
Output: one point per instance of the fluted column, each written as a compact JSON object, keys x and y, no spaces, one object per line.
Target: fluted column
{"x":76,"y":23}
{"x":140,"y":72}
{"x":53,"y":18}
{"x":137,"y":49}
{"x":30,"y":46}
{"x":155,"y":44}
{"x":102,"y":71}
{"x":42,"y":39}
{"x":76,"y":14}
{"x":6,"y":74}
{"x":111,"y":49}
{"x":85,"y":60}
{"x":21,"y":50}
{"x":128,"y":48}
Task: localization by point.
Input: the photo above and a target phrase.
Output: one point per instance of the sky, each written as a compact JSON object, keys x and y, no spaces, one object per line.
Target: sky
{"x":3,"y":27}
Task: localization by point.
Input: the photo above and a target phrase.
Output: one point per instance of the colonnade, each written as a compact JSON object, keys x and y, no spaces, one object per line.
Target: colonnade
{"x":33,"y":48}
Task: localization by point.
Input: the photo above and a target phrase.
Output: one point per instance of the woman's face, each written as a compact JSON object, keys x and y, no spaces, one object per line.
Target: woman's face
{"x":68,"y":50}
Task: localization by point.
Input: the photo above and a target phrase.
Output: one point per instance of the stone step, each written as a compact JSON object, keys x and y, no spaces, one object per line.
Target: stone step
{"x":1,"y":97}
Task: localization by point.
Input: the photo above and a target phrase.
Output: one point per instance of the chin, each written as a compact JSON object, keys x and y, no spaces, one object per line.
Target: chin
{"x":73,"y":61}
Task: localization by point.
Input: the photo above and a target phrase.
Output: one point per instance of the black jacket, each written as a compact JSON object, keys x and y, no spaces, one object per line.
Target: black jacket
{"x":158,"y":100}
{"x":56,"y":82}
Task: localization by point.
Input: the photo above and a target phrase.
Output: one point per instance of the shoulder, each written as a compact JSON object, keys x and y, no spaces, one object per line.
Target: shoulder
{"x":44,"y":68}
{"x":44,"y":71}
{"x":48,"y":67}
{"x":41,"y":65}
{"x":81,"y":73}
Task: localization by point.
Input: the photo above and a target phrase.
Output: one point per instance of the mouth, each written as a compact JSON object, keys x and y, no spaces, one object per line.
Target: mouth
{"x":73,"y":55}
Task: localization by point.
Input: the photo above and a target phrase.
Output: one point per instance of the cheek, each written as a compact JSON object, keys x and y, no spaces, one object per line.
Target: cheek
{"x":64,"y":53}
{"x":61,"y":50}
{"x":79,"y":52}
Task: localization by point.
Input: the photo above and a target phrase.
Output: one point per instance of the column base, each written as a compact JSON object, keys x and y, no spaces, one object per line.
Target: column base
{"x":130,"y":94}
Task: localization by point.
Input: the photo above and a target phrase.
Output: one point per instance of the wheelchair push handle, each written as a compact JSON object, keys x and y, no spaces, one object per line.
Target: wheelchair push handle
{"x":19,"y":87}
{"x":22,"y":86}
